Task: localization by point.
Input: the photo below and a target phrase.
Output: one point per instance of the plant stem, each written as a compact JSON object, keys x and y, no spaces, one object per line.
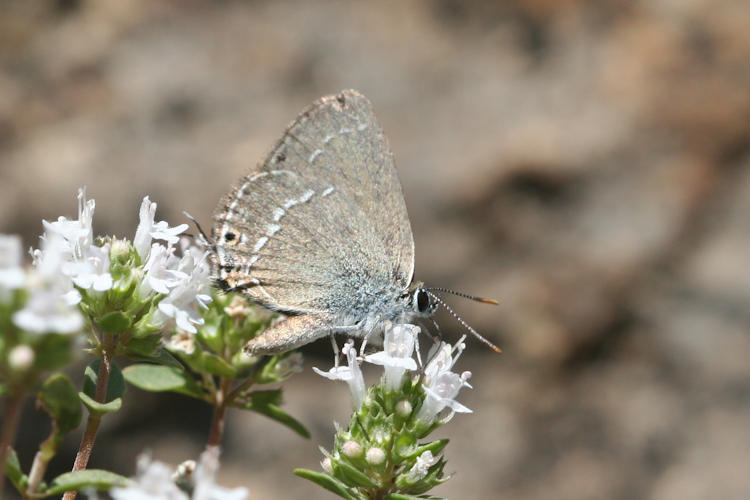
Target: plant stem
{"x":10,"y":424}
{"x":42,"y":458}
{"x":237,"y":391}
{"x":220,"y":410}
{"x":92,"y":424}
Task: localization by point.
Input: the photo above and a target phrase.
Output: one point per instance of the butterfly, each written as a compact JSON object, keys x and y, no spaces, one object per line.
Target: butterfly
{"x":319,"y":231}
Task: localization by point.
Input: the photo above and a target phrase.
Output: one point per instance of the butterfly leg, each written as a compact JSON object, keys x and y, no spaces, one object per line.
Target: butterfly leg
{"x":367,"y":338}
{"x":335,"y":350}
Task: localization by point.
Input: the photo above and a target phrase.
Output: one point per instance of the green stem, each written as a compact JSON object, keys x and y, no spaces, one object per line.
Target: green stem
{"x":12,"y":412}
{"x":47,"y":450}
{"x":92,"y":424}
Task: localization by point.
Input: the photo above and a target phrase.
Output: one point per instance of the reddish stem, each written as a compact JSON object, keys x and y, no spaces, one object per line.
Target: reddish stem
{"x":92,"y":424}
{"x":220,"y":410}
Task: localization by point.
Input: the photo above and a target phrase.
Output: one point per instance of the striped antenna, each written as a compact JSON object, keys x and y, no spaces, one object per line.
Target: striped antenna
{"x":466,"y":296}
{"x":464,"y":323}
{"x":204,"y":238}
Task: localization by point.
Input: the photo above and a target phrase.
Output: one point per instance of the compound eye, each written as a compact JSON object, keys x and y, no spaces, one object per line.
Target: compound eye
{"x":423,"y":301}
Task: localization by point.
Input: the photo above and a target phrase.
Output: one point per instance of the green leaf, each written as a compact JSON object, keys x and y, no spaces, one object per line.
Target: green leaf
{"x":59,"y":398}
{"x":435,"y":447}
{"x":115,"y":322}
{"x":215,"y":365}
{"x":144,"y":345}
{"x":160,"y":357}
{"x":160,"y":378}
{"x":96,"y":407}
{"x":401,"y":496}
{"x":101,"y":480}
{"x":330,"y":483}
{"x":115,"y":384}
{"x":266,"y":403}
{"x":14,"y":472}
{"x":211,"y":334}
{"x":354,"y":475}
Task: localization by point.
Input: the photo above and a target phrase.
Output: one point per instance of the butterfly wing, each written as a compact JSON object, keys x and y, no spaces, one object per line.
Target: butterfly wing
{"x":322,"y":220}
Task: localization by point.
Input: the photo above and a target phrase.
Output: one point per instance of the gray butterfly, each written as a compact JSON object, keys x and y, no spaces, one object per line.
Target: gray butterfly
{"x":319,"y":231}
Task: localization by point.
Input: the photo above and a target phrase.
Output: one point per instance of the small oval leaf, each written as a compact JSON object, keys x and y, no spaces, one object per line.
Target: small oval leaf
{"x":101,"y":480}
{"x":160,"y":378}
{"x":155,"y":378}
{"x":96,"y":407}
{"x":59,"y":398}
{"x":115,"y":383}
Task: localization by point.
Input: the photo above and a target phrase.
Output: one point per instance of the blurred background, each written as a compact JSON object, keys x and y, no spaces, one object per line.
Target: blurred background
{"x":586,"y":163}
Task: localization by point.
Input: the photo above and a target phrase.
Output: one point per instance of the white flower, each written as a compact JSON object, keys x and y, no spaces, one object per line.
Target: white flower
{"x":85,"y":264}
{"x":142,"y":239}
{"x":152,"y":482}
{"x":148,"y":229}
{"x":398,"y":346}
{"x":205,"y":480}
{"x":48,"y":266}
{"x":421,"y":467}
{"x":194,"y":262}
{"x":350,"y":374}
{"x":12,"y":275}
{"x":49,"y":307}
{"x":156,"y":481}
{"x":159,"y":277}
{"x":47,"y":311}
{"x":93,"y":271}
{"x":441,"y":385}
{"x":178,"y":304}
{"x":78,"y":234}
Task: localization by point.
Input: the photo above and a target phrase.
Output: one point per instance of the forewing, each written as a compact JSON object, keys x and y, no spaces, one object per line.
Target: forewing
{"x":321,"y":217}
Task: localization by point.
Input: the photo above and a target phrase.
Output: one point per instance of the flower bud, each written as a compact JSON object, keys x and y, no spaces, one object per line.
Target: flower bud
{"x":352,"y":449}
{"x":120,"y":249}
{"x":403,"y":408}
{"x":21,"y":357}
{"x":327,"y":465}
{"x":375,"y":456}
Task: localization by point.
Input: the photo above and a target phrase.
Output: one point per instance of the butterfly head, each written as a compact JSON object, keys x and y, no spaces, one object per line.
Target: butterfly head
{"x":424,"y":302}
{"x":419,"y":302}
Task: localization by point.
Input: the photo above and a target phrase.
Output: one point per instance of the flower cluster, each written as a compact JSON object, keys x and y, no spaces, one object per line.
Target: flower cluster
{"x":38,"y":313}
{"x":157,"y":480}
{"x":145,"y":279}
{"x":381,"y":452}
